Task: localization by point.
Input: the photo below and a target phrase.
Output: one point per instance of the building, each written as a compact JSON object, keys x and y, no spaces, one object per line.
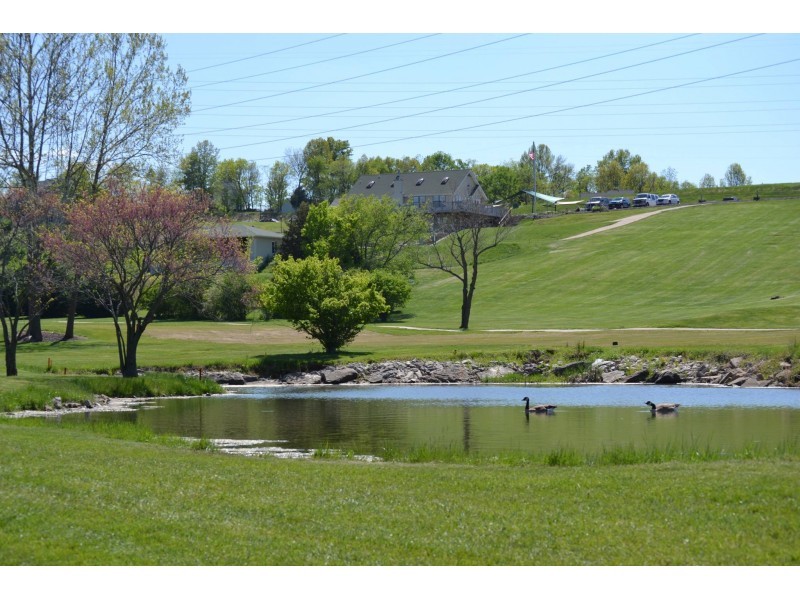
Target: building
{"x":425,"y":188}
{"x":263,"y":244}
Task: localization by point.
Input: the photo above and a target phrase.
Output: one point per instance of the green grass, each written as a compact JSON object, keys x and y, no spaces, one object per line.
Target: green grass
{"x":70,"y":497}
{"x":716,"y":265}
{"x":36,"y":391}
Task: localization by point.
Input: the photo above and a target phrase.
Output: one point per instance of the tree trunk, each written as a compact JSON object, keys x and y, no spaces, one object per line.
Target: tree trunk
{"x":466,"y":308}
{"x":69,"y":332}
{"x":128,"y":367}
{"x":34,"y":320}
{"x":11,"y":357}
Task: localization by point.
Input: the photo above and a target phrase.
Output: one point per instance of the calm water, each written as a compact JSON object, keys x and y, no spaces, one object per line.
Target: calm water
{"x":479,"y":418}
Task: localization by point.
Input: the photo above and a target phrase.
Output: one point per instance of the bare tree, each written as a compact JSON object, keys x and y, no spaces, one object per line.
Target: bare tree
{"x":461,"y":238}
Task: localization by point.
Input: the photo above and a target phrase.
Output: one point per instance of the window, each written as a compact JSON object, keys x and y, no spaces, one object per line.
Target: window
{"x":445,"y":180}
{"x":420,"y":180}
{"x":371,"y":183}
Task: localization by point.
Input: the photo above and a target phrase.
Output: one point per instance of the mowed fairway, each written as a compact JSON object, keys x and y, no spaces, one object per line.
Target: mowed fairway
{"x":714,"y":265}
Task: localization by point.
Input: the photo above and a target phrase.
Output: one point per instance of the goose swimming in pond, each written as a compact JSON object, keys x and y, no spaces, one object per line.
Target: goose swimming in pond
{"x":539,"y":408}
{"x":662,"y":408}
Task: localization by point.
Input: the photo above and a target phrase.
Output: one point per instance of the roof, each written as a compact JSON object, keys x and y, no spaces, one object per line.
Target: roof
{"x":420,"y":183}
{"x":248,"y":231}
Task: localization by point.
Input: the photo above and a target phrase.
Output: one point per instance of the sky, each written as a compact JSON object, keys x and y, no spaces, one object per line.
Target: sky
{"x":693,"y":103}
{"x":483,"y":81}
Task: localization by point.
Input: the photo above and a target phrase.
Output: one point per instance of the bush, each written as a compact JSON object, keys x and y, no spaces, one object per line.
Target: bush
{"x":229,"y":298}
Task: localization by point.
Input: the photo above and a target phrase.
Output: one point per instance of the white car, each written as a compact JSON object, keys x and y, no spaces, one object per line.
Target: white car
{"x":645,"y":199}
{"x":668,"y":199}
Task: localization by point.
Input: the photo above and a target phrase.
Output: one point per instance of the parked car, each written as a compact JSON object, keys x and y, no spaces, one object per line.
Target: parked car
{"x":621,"y":202}
{"x":597,"y":203}
{"x":645,"y":199}
{"x":730,"y":199}
{"x":668,"y":199}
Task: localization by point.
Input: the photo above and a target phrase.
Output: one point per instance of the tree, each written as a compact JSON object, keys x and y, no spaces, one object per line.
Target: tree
{"x":707,"y":181}
{"x":375,"y":233}
{"x":584,"y":180}
{"x":293,"y":244}
{"x":463,"y":237}
{"x":135,"y":249}
{"x":395,"y":289}
{"x":237,"y":184}
{"x":85,"y":108}
{"x":735,"y":176}
{"x":199,"y":166}
{"x":637,"y":177}
{"x":277,"y":189}
{"x":25,"y":265}
{"x":329,"y":170}
{"x":610,"y":175}
{"x":442,"y":161}
{"x":500,"y":183}
{"x":330,"y":305}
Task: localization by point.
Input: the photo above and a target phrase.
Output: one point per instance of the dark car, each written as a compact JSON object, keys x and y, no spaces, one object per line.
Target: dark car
{"x":621,"y":202}
{"x":597,"y":203}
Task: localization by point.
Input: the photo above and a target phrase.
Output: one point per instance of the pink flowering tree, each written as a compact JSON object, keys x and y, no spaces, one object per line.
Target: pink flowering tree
{"x":136,"y":248}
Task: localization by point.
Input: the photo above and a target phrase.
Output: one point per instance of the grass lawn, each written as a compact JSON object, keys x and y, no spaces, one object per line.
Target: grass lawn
{"x":70,"y":497}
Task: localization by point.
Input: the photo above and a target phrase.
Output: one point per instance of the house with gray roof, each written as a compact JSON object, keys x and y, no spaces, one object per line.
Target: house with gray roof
{"x":423,"y":188}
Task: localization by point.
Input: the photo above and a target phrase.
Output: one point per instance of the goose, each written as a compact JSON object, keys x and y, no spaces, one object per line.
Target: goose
{"x":539,"y":408}
{"x":662,"y":408}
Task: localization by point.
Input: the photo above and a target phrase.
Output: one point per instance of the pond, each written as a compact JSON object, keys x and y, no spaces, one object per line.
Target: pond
{"x":292,"y":420}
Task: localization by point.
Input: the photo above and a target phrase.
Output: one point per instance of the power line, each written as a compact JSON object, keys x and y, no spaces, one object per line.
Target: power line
{"x":386,"y":70}
{"x":461,"y":88}
{"x":614,"y":70}
{"x":230,"y":62}
{"x":576,"y":107}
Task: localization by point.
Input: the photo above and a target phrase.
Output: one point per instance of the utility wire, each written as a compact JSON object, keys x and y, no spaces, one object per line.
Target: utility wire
{"x":576,"y":107}
{"x":389,"y":119}
{"x":230,"y":62}
{"x":457,"y":89}
{"x":386,"y":70}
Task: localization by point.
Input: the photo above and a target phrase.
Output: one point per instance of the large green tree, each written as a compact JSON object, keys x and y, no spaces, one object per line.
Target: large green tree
{"x":277,"y":188}
{"x":328,"y":170}
{"x":237,"y":185}
{"x":321,"y":299}
{"x":365,"y":232}
{"x":199,"y":166}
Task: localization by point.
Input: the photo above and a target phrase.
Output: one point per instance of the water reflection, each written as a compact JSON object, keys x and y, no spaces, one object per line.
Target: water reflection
{"x":371,"y":419}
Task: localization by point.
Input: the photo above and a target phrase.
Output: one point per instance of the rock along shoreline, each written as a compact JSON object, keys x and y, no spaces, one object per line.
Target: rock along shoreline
{"x":673,"y":370}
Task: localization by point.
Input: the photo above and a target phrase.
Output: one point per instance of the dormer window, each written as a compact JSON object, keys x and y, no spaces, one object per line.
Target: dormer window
{"x":370,"y":184}
{"x":445,"y":180}
{"x":420,"y":180}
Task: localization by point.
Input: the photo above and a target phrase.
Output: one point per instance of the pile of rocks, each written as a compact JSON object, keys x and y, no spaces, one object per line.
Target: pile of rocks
{"x":630,"y":369}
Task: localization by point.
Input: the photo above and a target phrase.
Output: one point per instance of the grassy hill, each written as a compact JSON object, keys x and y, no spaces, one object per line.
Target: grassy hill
{"x":710,"y":265}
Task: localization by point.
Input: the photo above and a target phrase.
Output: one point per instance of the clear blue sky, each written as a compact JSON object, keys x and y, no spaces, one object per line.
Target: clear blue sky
{"x":694,"y":103}
{"x":691,"y":102}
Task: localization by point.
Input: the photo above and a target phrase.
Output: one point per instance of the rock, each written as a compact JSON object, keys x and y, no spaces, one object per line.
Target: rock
{"x":638,"y":377}
{"x":57,"y":403}
{"x":613,"y":376}
{"x":751,"y":382}
{"x":736,"y":362}
{"x":666,"y":378}
{"x":338,"y":376}
{"x":578,"y":365}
